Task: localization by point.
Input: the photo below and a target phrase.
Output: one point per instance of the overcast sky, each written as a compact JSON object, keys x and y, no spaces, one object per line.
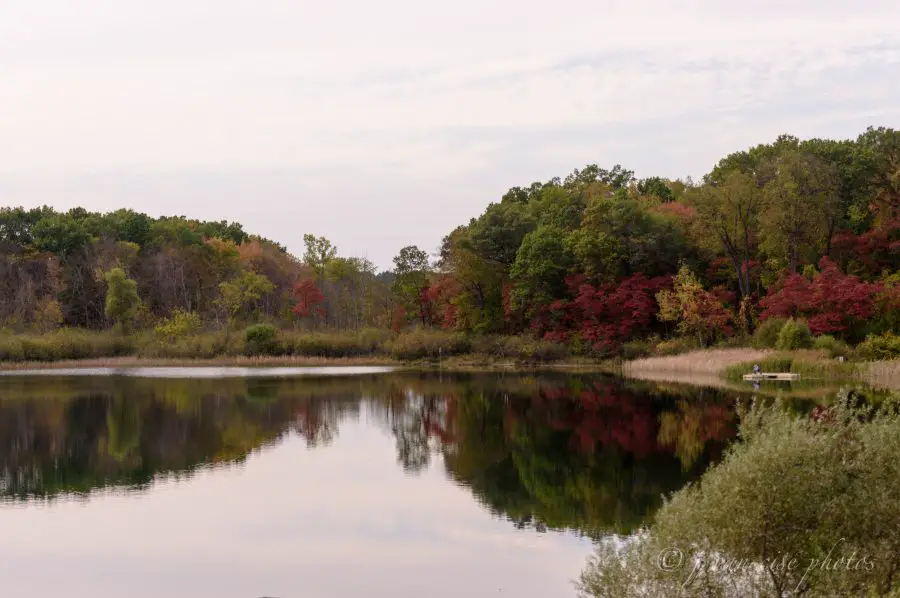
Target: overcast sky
{"x":382,"y":124}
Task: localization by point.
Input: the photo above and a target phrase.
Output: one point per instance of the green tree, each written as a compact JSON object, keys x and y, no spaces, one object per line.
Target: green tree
{"x":479,"y":302}
{"x":656,"y":187}
{"x":801,"y":201}
{"x":61,"y":235}
{"x":122,"y":301}
{"x":319,"y":251}
{"x":539,"y":271}
{"x":620,"y":237}
{"x":498,"y":233}
{"x":728,"y":220}
{"x":241,"y":292}
{"x":411,"y":270}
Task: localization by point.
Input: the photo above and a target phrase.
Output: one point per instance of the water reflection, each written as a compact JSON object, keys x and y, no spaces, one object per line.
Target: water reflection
{"x":580,"y":453}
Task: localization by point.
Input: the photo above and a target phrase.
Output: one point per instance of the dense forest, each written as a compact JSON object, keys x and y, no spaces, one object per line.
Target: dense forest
{"x":800,"y":229}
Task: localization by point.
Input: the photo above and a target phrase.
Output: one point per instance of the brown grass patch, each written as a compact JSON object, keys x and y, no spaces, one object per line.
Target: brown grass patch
{"x":881,"y":374}
{"x":708,"y":362}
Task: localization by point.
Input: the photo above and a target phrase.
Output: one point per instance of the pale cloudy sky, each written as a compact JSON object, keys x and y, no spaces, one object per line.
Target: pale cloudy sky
{"x":380,"y":124}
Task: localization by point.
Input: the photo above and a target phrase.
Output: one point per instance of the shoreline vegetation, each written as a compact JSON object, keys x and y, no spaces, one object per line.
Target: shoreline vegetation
{"x":711,"y":367}
{"x":261,"y":346}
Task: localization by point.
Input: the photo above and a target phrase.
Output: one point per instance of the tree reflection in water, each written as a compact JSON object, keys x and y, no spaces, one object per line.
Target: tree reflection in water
{"x":588,"y":454}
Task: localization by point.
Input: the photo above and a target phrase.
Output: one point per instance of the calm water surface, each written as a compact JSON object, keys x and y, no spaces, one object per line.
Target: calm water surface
{"x":147,"y":483}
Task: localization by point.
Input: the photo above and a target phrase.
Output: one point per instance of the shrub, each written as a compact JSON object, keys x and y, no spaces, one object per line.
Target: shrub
{"x":880,"y":347}
{"x":785,"y":470}
{"x":179,"y":325}
{"x":766,"y":335}
{"x":259,"y":339}
{"x":195,"y":346}
{"x":422,"y":344}
{"x":794,"y":335}
{"x":636,"y":349}
{"x":543,"y":351}
{"x":11,"y":348}
{"x":832,"y":346}
{"x":523,"y":348}
{"x":676,"y":346}
{"x":335,"y":344}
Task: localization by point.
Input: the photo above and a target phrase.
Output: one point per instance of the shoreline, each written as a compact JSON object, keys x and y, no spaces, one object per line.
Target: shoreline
{"x":705,"y":367}
{"x":461,"y":363}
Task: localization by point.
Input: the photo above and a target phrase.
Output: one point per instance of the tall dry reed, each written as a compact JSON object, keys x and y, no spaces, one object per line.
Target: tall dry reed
{"x":707,"y":361}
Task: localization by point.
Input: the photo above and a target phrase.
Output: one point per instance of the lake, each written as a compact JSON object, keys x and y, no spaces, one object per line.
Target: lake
{"x":333,"y":483}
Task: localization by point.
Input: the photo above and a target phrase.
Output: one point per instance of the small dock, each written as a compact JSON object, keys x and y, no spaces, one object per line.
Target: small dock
{"x":771,"y":376}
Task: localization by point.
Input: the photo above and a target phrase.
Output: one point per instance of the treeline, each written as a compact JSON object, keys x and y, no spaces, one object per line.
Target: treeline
{"x":802,"y":230}
{"x":808,"y":230}
{"x":90,"y":270}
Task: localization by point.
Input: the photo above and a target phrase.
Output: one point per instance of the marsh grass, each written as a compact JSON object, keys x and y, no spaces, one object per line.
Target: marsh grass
{"x":264,"y":345}
{"x":709,"y":361}
{"x":333,"y":344}
{"x":880,"y":374}
{"x":65,"y":343}
{"x":810,"y":364}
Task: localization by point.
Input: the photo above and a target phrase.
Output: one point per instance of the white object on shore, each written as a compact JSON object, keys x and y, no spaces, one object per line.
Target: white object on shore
{"x":771,"y":376}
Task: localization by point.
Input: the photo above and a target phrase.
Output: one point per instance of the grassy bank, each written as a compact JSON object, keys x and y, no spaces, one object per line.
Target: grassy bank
{"x":809,"y":364}
{"x":263,"y":346}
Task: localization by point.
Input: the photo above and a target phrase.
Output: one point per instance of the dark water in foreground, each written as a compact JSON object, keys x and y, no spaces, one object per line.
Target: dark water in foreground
{"x":389,"y":484}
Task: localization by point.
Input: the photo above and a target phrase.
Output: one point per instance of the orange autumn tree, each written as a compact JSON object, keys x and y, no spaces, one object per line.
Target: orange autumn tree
{"x":696,"y":310}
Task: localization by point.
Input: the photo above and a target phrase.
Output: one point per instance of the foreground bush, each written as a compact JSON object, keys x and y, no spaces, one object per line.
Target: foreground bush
{"x":822,"y":492}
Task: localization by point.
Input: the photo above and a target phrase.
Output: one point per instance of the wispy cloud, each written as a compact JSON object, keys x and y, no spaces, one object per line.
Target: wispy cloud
{"x":478,"y":95}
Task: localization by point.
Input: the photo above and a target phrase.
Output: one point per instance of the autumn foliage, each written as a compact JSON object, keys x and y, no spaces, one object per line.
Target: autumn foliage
{"x":604,"y":316}
{"x":830,"y":302}
{"x":308,"y":299}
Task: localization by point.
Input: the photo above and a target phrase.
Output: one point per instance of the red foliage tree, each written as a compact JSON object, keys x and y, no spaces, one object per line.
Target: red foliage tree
{"x":831,"y":302}
{"x":398,"y":318}
{"x":438,"y":300}
{"x":308,"y":299}
{"x":682,"y":213}
{"x":605,"y":316}
{"x":872,"y":252}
